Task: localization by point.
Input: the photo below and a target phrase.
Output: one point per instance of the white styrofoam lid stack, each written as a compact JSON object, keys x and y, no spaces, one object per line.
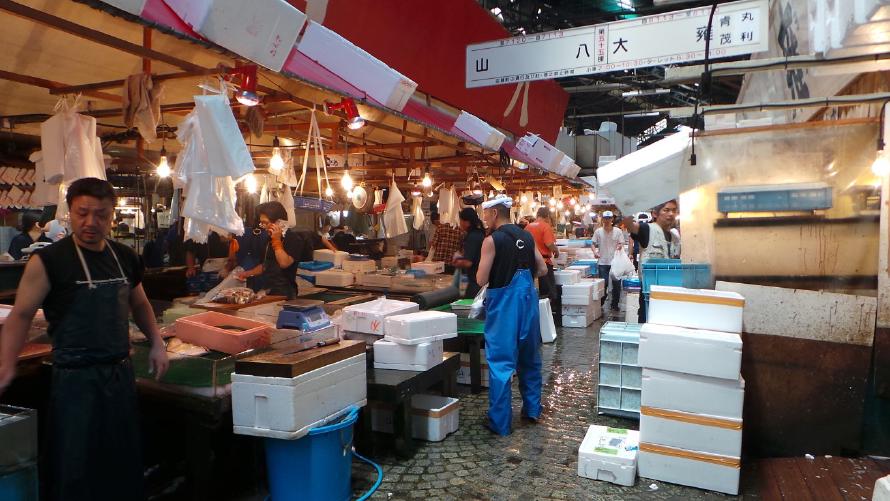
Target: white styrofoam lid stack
{"x":691,"y":351}
{"x":696,"y":308}
{"x":695,"y":394}
{"x":579,"y":289}
{"x":422,"y":326}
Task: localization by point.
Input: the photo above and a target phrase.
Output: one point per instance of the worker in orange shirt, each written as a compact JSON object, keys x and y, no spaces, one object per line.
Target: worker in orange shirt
{"x":545,"y":240}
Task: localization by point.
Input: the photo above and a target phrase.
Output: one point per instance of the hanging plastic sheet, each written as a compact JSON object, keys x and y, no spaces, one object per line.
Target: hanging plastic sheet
{"x":806,"y":196}
{"x":394,"y":216}
{"x":211,"y":200}
{"x":226,"y":149}
{"x":417,"y":212}
{"x":71,"y":149}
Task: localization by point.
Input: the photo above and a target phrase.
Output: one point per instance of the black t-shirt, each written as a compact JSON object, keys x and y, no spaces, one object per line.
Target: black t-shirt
{"x":214,"y":248}
{"x":510,"y":255}
{"x":473,"y":251}
{"x":63,"y":269}
{"x":22,"y":241}
{"x":342,"y":240}
{"x":642,"y":236}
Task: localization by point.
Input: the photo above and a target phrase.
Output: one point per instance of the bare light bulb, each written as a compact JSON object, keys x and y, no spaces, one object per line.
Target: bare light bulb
{"x":277,"y":161}
{"x":346,"y":182}
{"x":427,"y":180}
{"x":572,"y":202}
{"x":559,"y":205}
{"x":881,"y":165}
{"x":163,"y":169}
{"x":523,"y":199}
{"x":328,"y":192}
{"x":349,"y":194}
{"x":552,"y":202}
{"x":568,"y":214}
{"x":250,"y":183}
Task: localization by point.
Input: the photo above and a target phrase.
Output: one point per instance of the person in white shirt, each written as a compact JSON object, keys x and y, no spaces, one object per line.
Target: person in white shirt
{"x":608,"y":240}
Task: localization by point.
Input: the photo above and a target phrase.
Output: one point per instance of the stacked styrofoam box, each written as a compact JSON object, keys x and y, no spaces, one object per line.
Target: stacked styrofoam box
{"x":432,"y":417}
{"x":334,"y":278}
{"x":407,"y":357}
{"x":413,"y":341}
{"x":691,"y":413}
{"x":359,"y":265}
{"x":882,"y":489}
{"x":632,"y":308}
{"x":567,"y":277}
{"x":481,"y":132}
{"x":286,"y":408}
{"x":327,"y":255}
{"x":609,"y":454}
{"x":579,"y":306}
{"x":544,"y":154}
{"x":620,"y":375}
{"x":583,"y":269}
{"x":369,"y":317}
{"x":429,"y":267}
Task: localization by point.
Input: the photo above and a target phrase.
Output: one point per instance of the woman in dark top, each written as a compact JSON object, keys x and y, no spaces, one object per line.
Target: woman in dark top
{"x":474,"y":232}
{"x":281,"y":255}
{"x":30,"y":233}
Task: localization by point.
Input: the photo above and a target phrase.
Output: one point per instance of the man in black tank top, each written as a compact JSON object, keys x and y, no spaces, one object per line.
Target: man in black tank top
{"x":508,"y":265}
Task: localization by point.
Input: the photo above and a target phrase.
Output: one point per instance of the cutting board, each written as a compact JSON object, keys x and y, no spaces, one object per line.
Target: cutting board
{"x":231,"y":308}
{"x":291,"y":364}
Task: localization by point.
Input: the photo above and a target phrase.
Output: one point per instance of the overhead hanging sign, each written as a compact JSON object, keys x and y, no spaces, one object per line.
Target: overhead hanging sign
{"x":739,"y":28}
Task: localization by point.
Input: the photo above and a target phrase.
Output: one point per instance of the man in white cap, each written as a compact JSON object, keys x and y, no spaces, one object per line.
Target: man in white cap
{"x":508,"y":265}
{"x":608,"y":240}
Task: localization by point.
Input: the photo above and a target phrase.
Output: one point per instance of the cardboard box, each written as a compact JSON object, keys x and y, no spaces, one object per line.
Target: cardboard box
{"x":364,"y":71}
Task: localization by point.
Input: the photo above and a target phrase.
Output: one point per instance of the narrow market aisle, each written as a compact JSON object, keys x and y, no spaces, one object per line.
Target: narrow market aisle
{"x":537,"y":461}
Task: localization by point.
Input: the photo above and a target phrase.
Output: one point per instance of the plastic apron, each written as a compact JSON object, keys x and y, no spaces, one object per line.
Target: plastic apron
{"x":513,"y":343}
{"x":95,"y":446}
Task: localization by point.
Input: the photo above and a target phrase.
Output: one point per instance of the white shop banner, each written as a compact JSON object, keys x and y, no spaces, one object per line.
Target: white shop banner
{"x":739,"y":28}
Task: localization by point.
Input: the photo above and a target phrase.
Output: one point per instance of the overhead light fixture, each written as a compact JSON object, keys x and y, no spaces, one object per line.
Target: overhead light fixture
{"x":349,"y":194}
{"x":645,"y":92}
{"x":354,"y":121}
{"x":277,"y":161}
{"x":552,"y":202}
{"x":572,"y":202}
{"x":559,"y":205}
{"x":250,"y":183}
{"x":246,"y":93}
{"x":568,"y":214}
{"x":328,"y":192}
{"x":416,"y":191}
{"x":163,"y":169}
{"x":427,"y":181}
{"x":523,"y":199}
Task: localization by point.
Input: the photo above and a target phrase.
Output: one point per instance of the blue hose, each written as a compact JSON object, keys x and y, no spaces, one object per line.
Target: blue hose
{"x":379,"y":475}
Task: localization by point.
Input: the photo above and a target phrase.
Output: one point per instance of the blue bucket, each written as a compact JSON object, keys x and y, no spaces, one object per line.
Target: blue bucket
{"x":317,"y":467}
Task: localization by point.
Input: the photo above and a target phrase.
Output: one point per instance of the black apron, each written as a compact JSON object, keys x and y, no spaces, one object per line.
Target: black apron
{"x":95,"y":446}
{"x":273,"y":277}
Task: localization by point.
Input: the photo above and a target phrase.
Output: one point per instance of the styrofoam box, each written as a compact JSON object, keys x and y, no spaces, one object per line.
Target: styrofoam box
{"x":632,"y":308}
{"x":581,"y":289}
{"x":882,"y":489}
{"x":327,"y":255}
{"x":629,"y":179}
{"x":264,"y":32}
{"x":567,"y":277}
{"x":365,"y":266}
{"x":675,"y":430}
{"x":578,"y":300}
{"x":594,"y":310}
{"x":599,"y":286}
{"x":577,"y":321}
{"x":480,"y":131}
{"x":430,"y":267}
{"x":584,"y":270}
{"x":418,"y":357}
{"x":432,"y":417}
{"x":369,"y":317}
{"x":609,"y":454}
{"x":373,"y":279}
{"x":690,"y":393}
{"x":411,"y":328}
{"x":364,"y":71}
{"x":696,"y":308}
{"x":689,"y":471}
{"x":463,"y":374}
{"x":548,"y":326}
{"x":334,"y":278}
{"x":541,"y":152}
{"x":287,"y":408}
{"x":691,"y":351}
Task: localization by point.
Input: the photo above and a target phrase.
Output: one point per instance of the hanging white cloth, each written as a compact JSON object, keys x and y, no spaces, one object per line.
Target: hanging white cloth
{"x":44,"y":193}
{"x":445,"y":200}
{"x":417,"y":212}
{"x":142,"y":105}
{"x":456,"y":206}
{"x":394,"y":216}
{"x":286,"y":198}
{"x":71,"y":150}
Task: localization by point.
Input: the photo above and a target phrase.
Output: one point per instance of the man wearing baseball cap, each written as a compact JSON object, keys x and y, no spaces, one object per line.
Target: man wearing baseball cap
{"x":608,"y":240}
{"x":508,"y":266}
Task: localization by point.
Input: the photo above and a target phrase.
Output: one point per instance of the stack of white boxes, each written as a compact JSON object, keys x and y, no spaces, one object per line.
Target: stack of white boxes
{"x":691,"y":412}
{"x":365,"y":321}
{"x":413,"y":342}
{"x":581,"y":303}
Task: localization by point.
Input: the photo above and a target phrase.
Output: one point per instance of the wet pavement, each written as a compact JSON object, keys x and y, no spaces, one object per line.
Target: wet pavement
{"x":536,"y":462}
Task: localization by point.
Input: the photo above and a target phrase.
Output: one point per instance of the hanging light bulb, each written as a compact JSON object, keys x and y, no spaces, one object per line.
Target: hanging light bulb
{"x":346,"y":180}
{"x":328,"y":192}
{"x":568,"y":214}
{"x":552,"y":202}
{"x":572,"y":202}
{"x":559,"y":205}
{"x":277,"y":161}
{"x":416,"y":191}
{"x":881,"y":165}
{"x":163,"y":169}
{"x":427,"y":181}
{"x":349,"y":194}
{"x":250,"y":183}
{"x":534,"y":205}
{"x":523,"y":199}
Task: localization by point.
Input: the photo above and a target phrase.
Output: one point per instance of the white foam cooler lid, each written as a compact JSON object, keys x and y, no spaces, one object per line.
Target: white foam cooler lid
{"x":697,"y":292}
{"x":622,"y":444}
{"x":692,"y":336}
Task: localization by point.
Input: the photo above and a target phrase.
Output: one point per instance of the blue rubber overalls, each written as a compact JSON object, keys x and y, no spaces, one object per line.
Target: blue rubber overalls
{"x":513,"y":333}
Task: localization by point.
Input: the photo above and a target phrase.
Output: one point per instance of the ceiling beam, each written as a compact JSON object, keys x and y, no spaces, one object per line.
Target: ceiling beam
{"x":92,"y":35}
{"x":113,"y":84}
{"x":52,"y":86}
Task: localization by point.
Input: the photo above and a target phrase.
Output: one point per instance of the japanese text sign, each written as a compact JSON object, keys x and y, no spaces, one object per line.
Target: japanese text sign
{"x":738,"y":28}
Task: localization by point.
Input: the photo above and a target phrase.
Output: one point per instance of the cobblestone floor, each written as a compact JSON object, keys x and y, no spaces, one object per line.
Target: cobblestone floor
{"x":536,"y":462}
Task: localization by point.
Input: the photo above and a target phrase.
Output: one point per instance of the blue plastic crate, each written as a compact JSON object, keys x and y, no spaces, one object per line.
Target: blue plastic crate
{"x":773,"y":199}
{"x":674,"y":273}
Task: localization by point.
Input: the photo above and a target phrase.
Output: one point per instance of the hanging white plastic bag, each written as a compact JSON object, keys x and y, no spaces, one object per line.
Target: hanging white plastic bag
{"x":212,"y":200}
{"x":417,"y":211}
{"x":621,"y":266}
{"x":223,"y":141}
{"x":394,"y":216}
{"x":286,"y":198}
{"x":477,"y":310}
